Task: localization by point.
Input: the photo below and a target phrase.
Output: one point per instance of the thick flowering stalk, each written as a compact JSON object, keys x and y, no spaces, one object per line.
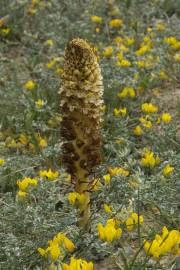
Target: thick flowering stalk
{"x":81,"y":108}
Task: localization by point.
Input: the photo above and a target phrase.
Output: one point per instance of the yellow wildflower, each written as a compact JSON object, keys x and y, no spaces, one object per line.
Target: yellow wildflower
{"x":97,"y":29}
{"x":137,"y":131}
{"x":39,"y":103}
{"x":133,"y":220}
{"x":30,"y":85}
{"x":166,"y":117}
{"x":21,"y":194}
{"x":176,"y":46}
{"x":109,"y":232}
{"x":78,"y":264}
{"x":117,"y":170}
{"x":127,"y":91}
{"x":123,"y":63}
{"x":42,"y":251}
{"x":129,"y":41}
{"x":144,"y":49}
{"x":141,"y":63}
{"x":107,"y":178}
{"x":149,"y":29}
{"x":120,"y":56}
{"x":108,"y":51}
{"x":24,"y":183}
{"x":129,"y":224}
{"x":177,"y":57}
{"x":148,"y":159}
{"x":118,"y":112}
{"x":145,"y":121}
{"x":49,"y":42}
{"x":167,"y":170}
{"x":42,"y":143}
{"x":163,"y":75}
{"x":72,"y":197}
{"x":118,"y":40}
{"x":162,"y":244}
{"x":69,"y":245}
{"x":62,"y":239}
{"x":54,"y":250}
{"x":2,"y":161}
{"x":51,"y":63}
{"x":5,"y":31}
{"x":96,"y":19}
{"x":107,"y":208}
{"x":49,"y":174}
{"x":115,"y":23}
{"x":149,"y":108}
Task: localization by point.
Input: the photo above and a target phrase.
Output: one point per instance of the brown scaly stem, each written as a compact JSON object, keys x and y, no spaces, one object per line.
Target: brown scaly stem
{"x":81,"y":108}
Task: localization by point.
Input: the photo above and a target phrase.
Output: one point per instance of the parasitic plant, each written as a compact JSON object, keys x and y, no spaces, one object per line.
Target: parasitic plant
{"x":81,"y":108}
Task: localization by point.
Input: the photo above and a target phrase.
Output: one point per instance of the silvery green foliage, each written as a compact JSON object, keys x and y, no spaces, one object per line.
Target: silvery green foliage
{"x":29,"y":223}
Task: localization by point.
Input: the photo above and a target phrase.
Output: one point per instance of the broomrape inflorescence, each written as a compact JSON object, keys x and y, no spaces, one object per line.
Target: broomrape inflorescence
{"x":81,"y":107}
